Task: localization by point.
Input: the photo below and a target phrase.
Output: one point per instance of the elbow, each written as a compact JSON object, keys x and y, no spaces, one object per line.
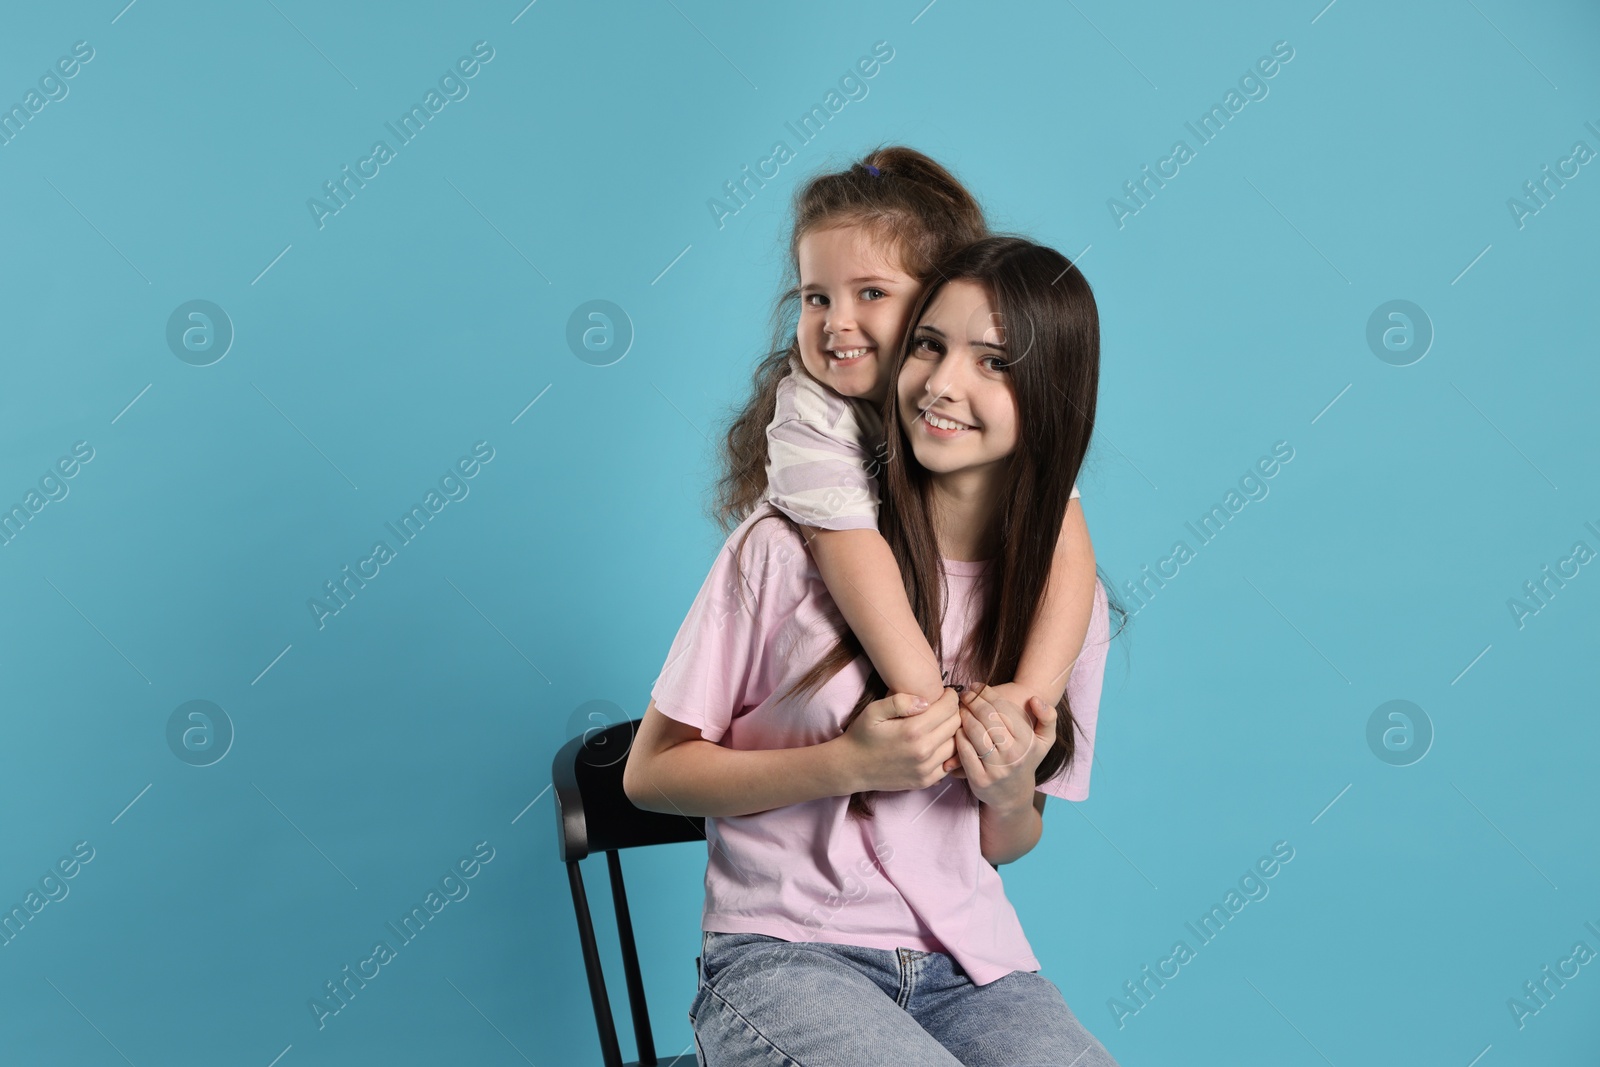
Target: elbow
{"x":639,"y":795}
{"x":633,"y":783}
{"x":640,"y":787}
{"x":997,"y":860}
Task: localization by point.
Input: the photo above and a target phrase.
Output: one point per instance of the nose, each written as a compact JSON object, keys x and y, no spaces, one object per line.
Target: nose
{"x":840,"y":317}
{"x":944,"y":379}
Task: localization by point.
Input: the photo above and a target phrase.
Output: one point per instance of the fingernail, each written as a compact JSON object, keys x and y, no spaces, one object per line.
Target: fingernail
{"x":918,"y":704}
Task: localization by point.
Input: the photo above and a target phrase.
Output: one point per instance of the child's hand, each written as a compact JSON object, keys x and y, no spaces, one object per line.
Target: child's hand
{"x":894,"y":745}
{"x":1012,"y":691}
{"x":1002,"y":743}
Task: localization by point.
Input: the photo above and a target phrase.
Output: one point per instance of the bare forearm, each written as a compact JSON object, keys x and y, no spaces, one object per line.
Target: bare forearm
{"x":1056,"y":637}
{"x":864,"y":580}
{"x":702,"y":778}
{"x":1007,"y":834}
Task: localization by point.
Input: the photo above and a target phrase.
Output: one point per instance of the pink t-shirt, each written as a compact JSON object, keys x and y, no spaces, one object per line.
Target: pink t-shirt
{"x":913,"y":876}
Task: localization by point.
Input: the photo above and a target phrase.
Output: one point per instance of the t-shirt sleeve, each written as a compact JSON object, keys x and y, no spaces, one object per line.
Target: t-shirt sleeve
{"x":1074,"y":491}
{"x":716,"y":668}
{"x":1083,"y":695}
{"x":819,"y":473}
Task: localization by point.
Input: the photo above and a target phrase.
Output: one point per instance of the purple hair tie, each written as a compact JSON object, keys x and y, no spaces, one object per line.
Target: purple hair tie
{"x":872,"y":170}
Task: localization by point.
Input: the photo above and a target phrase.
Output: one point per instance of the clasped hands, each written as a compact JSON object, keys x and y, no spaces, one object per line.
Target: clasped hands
{"x":994,"y":736}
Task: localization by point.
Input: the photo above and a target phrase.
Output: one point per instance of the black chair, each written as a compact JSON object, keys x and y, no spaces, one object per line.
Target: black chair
{"x":594,"y":815}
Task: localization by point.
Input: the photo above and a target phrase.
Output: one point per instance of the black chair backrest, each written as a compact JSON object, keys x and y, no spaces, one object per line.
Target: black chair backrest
{"x":593,"y":814}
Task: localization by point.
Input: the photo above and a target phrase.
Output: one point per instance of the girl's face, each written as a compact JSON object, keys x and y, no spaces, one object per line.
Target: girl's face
{"x":855,"y":303}
{"x":956,"y":398}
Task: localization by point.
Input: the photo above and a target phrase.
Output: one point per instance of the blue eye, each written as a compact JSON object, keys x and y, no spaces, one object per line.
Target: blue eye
{"x":880,"y":292}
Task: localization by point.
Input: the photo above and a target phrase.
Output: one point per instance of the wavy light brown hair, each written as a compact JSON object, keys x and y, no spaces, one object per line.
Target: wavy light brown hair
{"x":1052,"y":337}
{"x":917,"y":210}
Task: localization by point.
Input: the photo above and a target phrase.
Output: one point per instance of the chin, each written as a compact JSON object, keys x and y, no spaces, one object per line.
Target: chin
{"x":853,"y":389}
{"x":856,"y":381}
{"x":933,"y":461}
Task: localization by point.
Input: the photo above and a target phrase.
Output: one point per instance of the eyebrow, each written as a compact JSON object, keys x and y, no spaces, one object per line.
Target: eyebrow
{"x":975,"y":344}
{"x":857,"y":281}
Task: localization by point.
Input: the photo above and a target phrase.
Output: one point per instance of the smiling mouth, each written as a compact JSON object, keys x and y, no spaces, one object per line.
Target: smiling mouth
{"x":847,"y":355}
{"x":943,"y":425}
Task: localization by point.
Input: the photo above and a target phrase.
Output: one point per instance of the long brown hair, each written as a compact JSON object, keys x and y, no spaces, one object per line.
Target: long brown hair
{"x":919,"y":212}
{"x":1052,"y":337}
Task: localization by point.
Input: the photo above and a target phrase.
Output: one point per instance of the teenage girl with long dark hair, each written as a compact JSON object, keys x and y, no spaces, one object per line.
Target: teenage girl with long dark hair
{"x":840,"y":930}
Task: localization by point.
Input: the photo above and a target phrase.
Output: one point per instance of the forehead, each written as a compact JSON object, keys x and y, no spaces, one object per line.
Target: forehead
{"x":849,"y":250}
{"x":959,"y":305}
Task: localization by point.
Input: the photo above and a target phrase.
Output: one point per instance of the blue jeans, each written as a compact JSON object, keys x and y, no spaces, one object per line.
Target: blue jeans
{"x":775,"y":1003}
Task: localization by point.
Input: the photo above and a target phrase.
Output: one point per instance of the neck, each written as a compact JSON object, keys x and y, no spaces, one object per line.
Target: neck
{"x":965,"y":505}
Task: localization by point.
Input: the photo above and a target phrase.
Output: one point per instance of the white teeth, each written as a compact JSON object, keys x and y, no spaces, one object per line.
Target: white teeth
{"x":944,"y":424}
{"x":849,"y":353}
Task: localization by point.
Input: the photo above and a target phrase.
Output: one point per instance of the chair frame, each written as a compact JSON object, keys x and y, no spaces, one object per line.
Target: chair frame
{"x":594,"y":815}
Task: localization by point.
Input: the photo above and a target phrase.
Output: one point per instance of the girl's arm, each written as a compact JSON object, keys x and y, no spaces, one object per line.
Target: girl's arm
{"x":672,"y":769}
{"x":1063,"y":621}
{"x":1057,"y":635}
{"x":1006,"y":836}
{"x":891,"y":745}
{"x":811,"y":444}
{"x":864,"y":580}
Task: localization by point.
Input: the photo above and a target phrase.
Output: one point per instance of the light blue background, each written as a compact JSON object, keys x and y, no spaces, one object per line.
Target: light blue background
{"x":429,"y":312}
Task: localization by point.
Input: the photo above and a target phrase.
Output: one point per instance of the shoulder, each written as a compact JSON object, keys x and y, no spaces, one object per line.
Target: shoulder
{"x":768,"y":548}
{"x":801,"y":398}
{"x":764,"y":574}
